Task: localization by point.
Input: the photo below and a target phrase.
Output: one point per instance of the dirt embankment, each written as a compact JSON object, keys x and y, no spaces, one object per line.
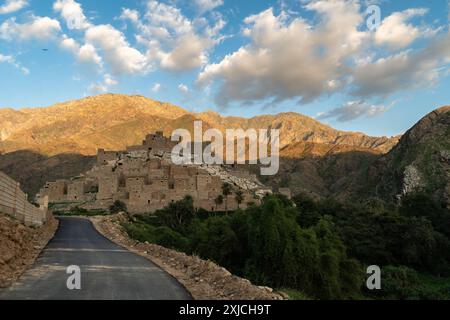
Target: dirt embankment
{"x":205,"y":280}
{"x":20,"y":246}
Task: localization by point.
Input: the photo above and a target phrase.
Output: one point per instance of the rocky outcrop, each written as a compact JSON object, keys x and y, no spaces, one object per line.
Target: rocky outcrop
{"x":411,"y":180}
{"x":420,"y":160}
{"x":445,"y":156}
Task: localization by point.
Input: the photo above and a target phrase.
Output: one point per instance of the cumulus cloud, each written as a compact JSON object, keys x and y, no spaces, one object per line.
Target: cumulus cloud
{"x":289,"y":58}
{"x":12,"y":61}
{"x":161,"y":15}
{"x":156,"y":88}
{"x":352,"y":110}
{"x":11,"y":6}
{"x":103,"y":86}
{"x":404,"y":70}
{"x":173,"y":41}
{"x":72,"y":13}
{"x":103,"y":43}
{"x":189,"y":53}
{"x":84,"y":54}
{"x":396,"y":33}
{"x":207,"y":5}
{"x":183,"y":88}
{"x":129,"y":14}
{"x":117,"y":52}
{"x":36,"y":28}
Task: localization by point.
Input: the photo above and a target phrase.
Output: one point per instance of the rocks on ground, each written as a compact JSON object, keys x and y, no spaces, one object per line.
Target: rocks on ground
{"x":205,"y":280}
{"x":20,"y":246}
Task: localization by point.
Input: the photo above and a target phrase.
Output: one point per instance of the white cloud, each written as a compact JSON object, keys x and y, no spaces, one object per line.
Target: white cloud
{"x":117,"y":52}
{"x":104,"y":86}
{"x":12,"y":61}
{"x":39,"y":28}
{"x":84,"y":54}
{"x":352,"y":110}
{"x":11,"y":6}
{"x":289,"y":58}
{"x":128,"y":14}
{"x":156,"y":88}
{"x":396,"y":33}
{"x":173,"y":41}
{"x":404,"y":70}
{"x":207,"y":5}
{"x":166,"y":16}
{"x":98,"y":88}
{"x":183,"y":88}
{"x":189,"y":53}
{"x":109,"y":80}
{"x":72,"y":13}
{"x":103,"y":43}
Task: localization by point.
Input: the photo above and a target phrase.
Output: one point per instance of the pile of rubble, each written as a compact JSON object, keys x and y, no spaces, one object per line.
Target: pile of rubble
{"x":225,"y":176}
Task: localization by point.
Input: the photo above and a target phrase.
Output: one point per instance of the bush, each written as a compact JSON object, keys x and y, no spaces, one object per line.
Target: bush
{"x":214,"y":239}
{"x":178,"y":215}
{"x":168,"y":238}
{"x":399,"y":283}
{"x":314,"y":247}
{"x":117,"y":207}
{"x":423,"y":205}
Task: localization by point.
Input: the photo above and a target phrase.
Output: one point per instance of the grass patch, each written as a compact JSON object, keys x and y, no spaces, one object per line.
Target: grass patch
{"x":294,"y":294}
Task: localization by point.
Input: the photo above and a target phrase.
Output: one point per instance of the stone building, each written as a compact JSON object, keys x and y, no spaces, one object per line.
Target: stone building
{"x":55,"y":190}
{"x":144,"y":178}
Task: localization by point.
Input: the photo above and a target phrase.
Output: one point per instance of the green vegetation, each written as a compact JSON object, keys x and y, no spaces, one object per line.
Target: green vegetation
{"x":316,"y":249}
{"x":294,"y":294}
{"x":118,"y":206}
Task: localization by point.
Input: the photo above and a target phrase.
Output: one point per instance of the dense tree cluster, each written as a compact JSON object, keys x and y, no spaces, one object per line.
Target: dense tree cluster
{"x":318,"y":247}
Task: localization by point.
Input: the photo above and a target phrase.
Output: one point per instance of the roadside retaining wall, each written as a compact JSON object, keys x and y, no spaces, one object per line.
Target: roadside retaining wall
{"x":14,"y":202}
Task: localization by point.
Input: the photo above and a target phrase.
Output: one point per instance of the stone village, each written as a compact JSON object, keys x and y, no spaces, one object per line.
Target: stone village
{"x":145,"y":179}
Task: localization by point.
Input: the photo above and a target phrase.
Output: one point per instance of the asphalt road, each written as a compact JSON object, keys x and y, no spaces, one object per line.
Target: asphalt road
{"x":108,"y":271}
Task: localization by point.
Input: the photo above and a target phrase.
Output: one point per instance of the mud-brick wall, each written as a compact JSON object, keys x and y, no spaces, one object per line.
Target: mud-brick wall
{"x":13,"y":201}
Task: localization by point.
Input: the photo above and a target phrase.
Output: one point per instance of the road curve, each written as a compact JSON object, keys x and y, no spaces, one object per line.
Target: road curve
{"x":108,"y":271}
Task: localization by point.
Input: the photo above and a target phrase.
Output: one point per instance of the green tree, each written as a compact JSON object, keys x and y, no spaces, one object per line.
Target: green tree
{"x":216,"y":240}
{"x":226,"y":191}
{"x":282,"y":254}
{"x":118,"y":206}
{"x":239,"y":197}
{"x":423,"y":205}
{"x":218,"y":201}
{"x":177,"y":215}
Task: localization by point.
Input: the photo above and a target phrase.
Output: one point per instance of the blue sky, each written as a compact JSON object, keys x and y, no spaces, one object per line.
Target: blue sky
{"x":316,"y":57}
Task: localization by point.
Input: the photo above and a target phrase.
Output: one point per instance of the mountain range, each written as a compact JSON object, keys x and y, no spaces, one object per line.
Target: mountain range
{"x":112,"y":122}
{"x":47,"y":143}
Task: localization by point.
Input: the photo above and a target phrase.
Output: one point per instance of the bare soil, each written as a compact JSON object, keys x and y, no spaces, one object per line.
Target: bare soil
{"x":20,"y":246}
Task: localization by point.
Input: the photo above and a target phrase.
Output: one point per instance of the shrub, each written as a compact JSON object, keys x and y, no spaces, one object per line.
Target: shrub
{"x":118,"y":206}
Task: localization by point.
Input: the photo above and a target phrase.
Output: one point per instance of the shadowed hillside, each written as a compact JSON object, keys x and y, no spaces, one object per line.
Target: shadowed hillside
{"x":420,"y":161}
{"x":33,"y":170}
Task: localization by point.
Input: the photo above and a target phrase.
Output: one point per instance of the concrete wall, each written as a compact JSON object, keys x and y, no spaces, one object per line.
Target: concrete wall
{"x":13,"y":202}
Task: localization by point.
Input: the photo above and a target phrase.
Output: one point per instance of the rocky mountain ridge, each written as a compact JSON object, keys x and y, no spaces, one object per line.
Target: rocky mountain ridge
{"x":112,"y":122}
